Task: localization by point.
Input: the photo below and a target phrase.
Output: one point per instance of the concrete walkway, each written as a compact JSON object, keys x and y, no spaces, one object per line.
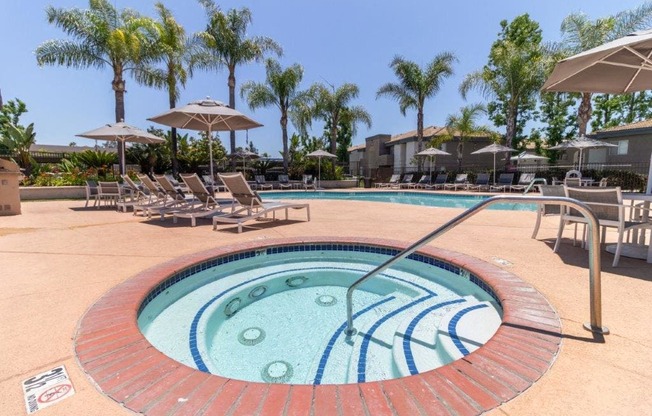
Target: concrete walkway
{"x":58,"y":258}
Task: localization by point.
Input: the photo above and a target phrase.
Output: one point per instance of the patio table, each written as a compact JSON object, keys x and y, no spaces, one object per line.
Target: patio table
{"x":637,"y":250}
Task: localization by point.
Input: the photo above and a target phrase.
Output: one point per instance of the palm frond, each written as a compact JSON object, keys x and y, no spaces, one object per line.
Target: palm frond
{"x":70,"y":54}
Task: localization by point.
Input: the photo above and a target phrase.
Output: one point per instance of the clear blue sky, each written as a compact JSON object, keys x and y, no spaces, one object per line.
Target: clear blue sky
{"x":336,"y":41}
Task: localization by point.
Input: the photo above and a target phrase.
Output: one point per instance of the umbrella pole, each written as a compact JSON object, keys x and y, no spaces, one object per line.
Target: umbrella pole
{"x":210,"y":152}
{"x":319,"y":174}
{"x":123,"y":165}
{"x":494,"y":169}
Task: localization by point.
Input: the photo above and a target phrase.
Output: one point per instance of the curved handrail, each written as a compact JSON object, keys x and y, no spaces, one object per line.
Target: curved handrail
{"x":534,"y":181}
{"x":595,"y":289}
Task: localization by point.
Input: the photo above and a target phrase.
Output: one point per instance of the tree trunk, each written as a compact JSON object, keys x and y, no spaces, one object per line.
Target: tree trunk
{"x":232,"y":105}
{"x":460,"y":154}
{"x":335,"y":120}
{"x":173,"y":131}
{"x":510,"y":134}
{"x":119,"y":85}
{"x":419,"y":135}
{"x":584,"y":113}
{"x":284,"y":129}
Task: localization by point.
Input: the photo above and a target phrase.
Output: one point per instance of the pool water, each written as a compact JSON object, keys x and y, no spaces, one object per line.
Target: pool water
{"x":399,"y":197}
{"x":278,"y":316}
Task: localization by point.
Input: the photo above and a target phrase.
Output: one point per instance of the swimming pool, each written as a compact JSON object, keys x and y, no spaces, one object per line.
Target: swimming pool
{"x":278,"y":315}
{"x":400,"y":197}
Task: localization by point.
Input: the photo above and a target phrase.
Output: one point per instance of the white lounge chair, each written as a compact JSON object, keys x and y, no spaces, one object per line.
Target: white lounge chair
{"x":203,"y":203}
{"x":461,"y":181}
{"x":251,"y":205}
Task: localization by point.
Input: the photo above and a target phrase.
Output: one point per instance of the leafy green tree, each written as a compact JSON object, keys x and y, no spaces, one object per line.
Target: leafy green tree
{"x":94,"y":159}
{"x":464,"y":126}
{"x":170,"y":49}
{"x":345,"y":132}
{"x":103,"y":37}
{"x":415,"y":85}
{"x":559,"y":123}
{"x":224,"y":43}
{"x":18,"y":141}
{"x":335,"y":106}
{"x":579,"y":33}
{"x":616,"y":110}
{"x":282,"y":90}
{"x":512,"y":77}
{"x":10,"y":114}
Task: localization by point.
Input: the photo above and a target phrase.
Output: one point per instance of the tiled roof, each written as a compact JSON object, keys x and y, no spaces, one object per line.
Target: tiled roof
{"x":357,"y":147}
{"x":429,"y":131}
{"x":633,"y":126}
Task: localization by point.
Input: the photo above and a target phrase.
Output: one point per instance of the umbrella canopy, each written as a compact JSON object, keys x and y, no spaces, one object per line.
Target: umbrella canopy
{"x":432,"y":153}
{"x":621,"y":66}
{"x":494,"y":148}
{"x":581,"y":143}
{"x":121,"y":132}
{"x":319,"y":154}
{"x":206,"y":115}
{"x":244,"y":154}
{"x":528,"y":156}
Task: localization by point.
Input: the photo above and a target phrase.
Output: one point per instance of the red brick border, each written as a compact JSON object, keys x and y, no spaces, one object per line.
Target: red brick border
{"x":125,"y":366}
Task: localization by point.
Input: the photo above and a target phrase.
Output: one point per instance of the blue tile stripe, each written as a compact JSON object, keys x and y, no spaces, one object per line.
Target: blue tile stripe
{"x":331,"y":343}
{"x":366,"y":338}
{"x":407,"y":337}
{"x":452,"y":326}
{"x":192,"y":338}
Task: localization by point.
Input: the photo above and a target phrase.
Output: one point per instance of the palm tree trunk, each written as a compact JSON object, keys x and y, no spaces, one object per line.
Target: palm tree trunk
{"x":333,"y":144}
{"x":173,"y":131}
{"x":419,"y":134}
{"x":460,"y":154}
{"x":584,"y":113}
{"x":232,"y":105}
{"x":118,"y":85}
{"x":284,"y":129}
{"x":510,"y":133}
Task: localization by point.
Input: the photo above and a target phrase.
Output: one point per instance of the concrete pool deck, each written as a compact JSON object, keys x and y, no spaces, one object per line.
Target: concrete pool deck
{"x":58,"y":258}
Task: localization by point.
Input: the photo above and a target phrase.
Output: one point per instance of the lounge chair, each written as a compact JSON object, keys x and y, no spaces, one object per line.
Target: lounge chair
{"x":308,"y":182}
{"x":481,"y":183}
{"x":523,"y":182}
{"x":284,"y":182}
{"x":461,"y":181}
{"x":422,"y":182}
{"x":176,"y":198}
{"x":203,"y":204}
{"x":157,"y":196}
{"x":607,"y":205}
{"x":261,"y":184}
{"x":439,"y":182}
{"x":392,"y":181}
{"x":210,"y":183}
{"x":406,"y":182}
{"x":504,"y":182}
{"x":132,"y":195}
{"x":251,"y":205}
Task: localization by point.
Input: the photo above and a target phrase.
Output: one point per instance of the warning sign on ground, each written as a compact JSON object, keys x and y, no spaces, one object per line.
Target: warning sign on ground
{"x":46,"y":389}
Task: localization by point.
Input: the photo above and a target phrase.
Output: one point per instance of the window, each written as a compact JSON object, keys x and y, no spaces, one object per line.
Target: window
{"x":622,"y":149}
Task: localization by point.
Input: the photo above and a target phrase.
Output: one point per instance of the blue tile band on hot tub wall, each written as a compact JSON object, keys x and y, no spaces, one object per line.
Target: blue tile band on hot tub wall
{"x":407,"y":338}
{"x":452,"y":326}
{"x":205,"y":265}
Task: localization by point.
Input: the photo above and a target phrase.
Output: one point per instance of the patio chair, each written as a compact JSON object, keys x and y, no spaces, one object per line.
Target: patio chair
{"x":203,"y":204}
{"x":405,"y":183}
{"x":461,"y":181}
{"x":212,"y":184}
{"x":422,"y":182}
{"x":157,"y":196}
{"x":523,"y":182}
{"x":284,"y":182}
{"x":91,"y":192}
{"x":109,"y":192}
{"x":261,"y":184}
{"x":308,"y":183}
{"x":132,"y":194}
{"x":504,"y":182}
{"x":175,"y":201}
{"x":544,"y":210}
{"x":439,"y":182}
{"x":251,"y":205}
{"x":607,"y":205}
{"x":481,"y":183}
{"x":573,"y":182}
{"x":392,"y":181}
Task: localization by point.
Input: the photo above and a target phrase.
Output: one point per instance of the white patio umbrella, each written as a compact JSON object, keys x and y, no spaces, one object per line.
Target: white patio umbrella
{"x":209,"y":115}
{"x":432,"y":153}
{"x":245,"y":154}
{"x":121,"y":133}
{"x":528,"y":156}
{"x":621,"y":66}
{"x":494,"y":148}
{"x":319,"y":154}
{"x":581,"y":143}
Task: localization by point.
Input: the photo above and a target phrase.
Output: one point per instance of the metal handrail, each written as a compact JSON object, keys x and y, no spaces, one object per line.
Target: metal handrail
{"x":595,"y":295}
{"x":531,"y":185}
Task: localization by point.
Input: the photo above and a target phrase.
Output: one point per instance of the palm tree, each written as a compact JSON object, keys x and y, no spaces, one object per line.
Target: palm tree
{"x":171,"y":50}
{"x":464,"y":126}
{"x":280,"y":90}
{"x":333,"y":106}
{"x":580,"y":34}
{"x":224,"y":43}
{"x":103,"y":37}
{"x":416,"y":84}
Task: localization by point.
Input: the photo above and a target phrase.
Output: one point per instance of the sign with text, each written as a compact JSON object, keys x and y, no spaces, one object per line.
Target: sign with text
{"x":46,"y":389}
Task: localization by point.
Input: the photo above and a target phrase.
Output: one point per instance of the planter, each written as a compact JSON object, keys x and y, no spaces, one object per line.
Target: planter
{"x":347,"y":183}
{"x":30,"y":193}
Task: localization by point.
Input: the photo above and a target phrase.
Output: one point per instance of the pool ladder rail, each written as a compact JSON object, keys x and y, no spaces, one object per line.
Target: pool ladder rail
{"x":595,"y":290}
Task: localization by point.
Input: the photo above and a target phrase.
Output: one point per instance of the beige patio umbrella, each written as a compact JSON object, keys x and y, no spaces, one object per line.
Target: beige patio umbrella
{"x":494,"y":148}
{"x":244,"y":154}
{"x":319,"y":154}
{"x":206,"y":115}
{"x":581,"y":143}
{"x":121,"y":133}
{"x":621,"y":66}
{"x":432,"y":153}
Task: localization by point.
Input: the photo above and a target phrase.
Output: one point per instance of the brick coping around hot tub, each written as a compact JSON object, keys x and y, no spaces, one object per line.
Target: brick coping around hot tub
{"x":114,"y":353}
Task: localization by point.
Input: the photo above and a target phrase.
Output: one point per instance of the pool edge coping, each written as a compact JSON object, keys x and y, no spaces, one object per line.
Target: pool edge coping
{"x":123,"y":365}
